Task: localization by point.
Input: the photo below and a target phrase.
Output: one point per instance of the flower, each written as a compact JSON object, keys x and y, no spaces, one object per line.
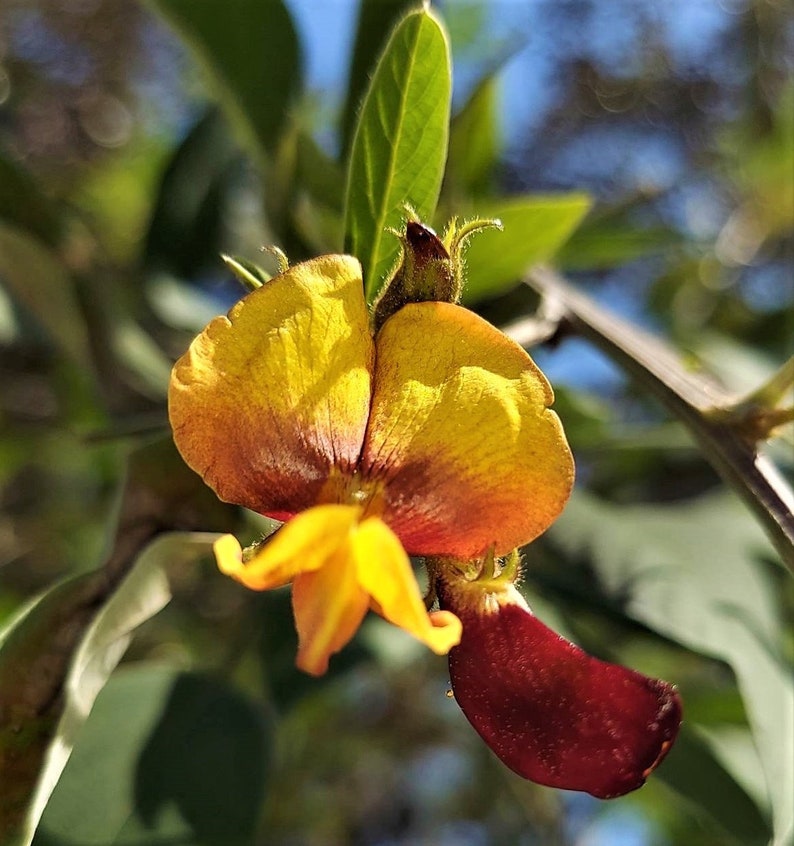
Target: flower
{"x":432,"y":436}
{"x":549,"y":711}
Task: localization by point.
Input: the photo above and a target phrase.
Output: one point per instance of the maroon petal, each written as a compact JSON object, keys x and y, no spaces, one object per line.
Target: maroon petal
{"x":552,"y":713}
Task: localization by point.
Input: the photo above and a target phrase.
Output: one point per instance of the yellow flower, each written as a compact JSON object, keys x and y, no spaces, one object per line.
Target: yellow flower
{"x":433,"y":437}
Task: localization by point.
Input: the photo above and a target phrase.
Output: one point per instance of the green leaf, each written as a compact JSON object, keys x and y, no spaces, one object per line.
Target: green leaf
{"x":38,"y":280}
{"x":318,"y":174}
{"x":141,"y":594}
{"x":28,"y":661}
{"x":400,"y":145}
{"x":250,"y":274}
{"x":693,"y":771}
{"x":251,"y":51}
{"x":607,"y":243}
{"x":535,"y":227}
{"x":693,"y":572}
{"x":187,"y":220}
{"x":376,"y":19}
{"x":474,"y":141}
{"x":164,"y":757}
{"x":24,"y":204}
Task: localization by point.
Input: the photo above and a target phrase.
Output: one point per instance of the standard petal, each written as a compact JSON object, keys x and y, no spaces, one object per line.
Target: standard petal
{"x":384,"y":572}
{"x":303,"y":545}
{"x":329,"y":606}
{"x":267,"y":399}
{"x":461,"y":434}
{"x":552,"y":713}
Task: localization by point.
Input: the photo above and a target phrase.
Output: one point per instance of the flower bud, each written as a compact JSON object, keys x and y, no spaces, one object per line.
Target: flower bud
{"x":429,"y":269}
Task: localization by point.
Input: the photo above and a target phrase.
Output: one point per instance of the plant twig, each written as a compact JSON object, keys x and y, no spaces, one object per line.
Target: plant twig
{"x":702,"y":405}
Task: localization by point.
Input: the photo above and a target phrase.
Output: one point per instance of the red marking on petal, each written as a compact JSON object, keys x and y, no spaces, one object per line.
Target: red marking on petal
{"x":554,"y":714}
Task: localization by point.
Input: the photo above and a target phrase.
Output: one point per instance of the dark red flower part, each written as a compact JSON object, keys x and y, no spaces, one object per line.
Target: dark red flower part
{"x":549,"y":711}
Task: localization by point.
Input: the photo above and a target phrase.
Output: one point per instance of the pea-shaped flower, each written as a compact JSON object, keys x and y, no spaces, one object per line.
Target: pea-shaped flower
{"x":431,"y":437}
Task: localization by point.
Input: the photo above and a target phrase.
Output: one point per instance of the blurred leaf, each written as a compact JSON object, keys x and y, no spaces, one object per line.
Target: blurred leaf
{"x":376,"y":19}
{"x":116,"y":195}
{"x":319,"y":226}
{"x":318,"y":174}
{"x":740,"y":367}
{"x":400,"y":145}
{"x":24,"y":205}
{"x":39,"y":281}
{"x":251,"y":51}
{"x":52,"y":649}
{"x":762,"y":167}
{"x":164,"y":757}
{"x":692,"y":573}
{"x":535,"y":227}
{"x":187,"y":218}
{"x":28,"y":660}
{"x":733,"y":745}
{"x":474,"y":141}
{"x":692,"y":769}
{"x":137,"y":350}
{"x":606,"y":243}
{"x":140,"y":595}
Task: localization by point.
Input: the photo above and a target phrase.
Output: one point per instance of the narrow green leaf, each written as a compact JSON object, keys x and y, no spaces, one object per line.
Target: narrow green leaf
{"x":165,"y":757}
{"x":535,"y":227}
{"x":38,"y":280}
{"x":376,"y":19}
{"x":28,"y":661}
{"x":694,"y":573}
{"x":251,"y":51}
{"x":474,"y":142}
{"x":400,"y":145}
{"x":251,"y":275}
{"x":143,"y":593}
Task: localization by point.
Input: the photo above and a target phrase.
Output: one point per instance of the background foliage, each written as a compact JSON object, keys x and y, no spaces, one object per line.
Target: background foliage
{"x":646,"y":152}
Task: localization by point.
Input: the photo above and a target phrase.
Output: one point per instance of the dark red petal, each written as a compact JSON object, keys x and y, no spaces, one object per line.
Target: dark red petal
{"x":552,"y":713}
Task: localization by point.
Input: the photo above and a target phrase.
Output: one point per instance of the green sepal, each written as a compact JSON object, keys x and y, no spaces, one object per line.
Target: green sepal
{"x":429,"y":268}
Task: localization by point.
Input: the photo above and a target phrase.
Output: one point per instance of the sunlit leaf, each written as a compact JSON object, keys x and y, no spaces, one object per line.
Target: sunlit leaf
{"x":535,"y":227}
{"x":376,"y":18}
{"x":39,"y":281}
{"x":251,"y":51}
{"x":693,"y":572}
{"x":400,"y":145}
{"x":164,"y":757}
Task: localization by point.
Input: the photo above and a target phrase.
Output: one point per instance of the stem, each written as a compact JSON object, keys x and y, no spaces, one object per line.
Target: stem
{"x":690,"y":397}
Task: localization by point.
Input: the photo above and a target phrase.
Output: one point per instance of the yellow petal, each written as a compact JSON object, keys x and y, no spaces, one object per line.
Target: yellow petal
{"x":329,"y":606}
{"x":303,"y":545}
{"x":384,"y":572}
{"x":461,"y":434}
{"x":267,"y":399}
